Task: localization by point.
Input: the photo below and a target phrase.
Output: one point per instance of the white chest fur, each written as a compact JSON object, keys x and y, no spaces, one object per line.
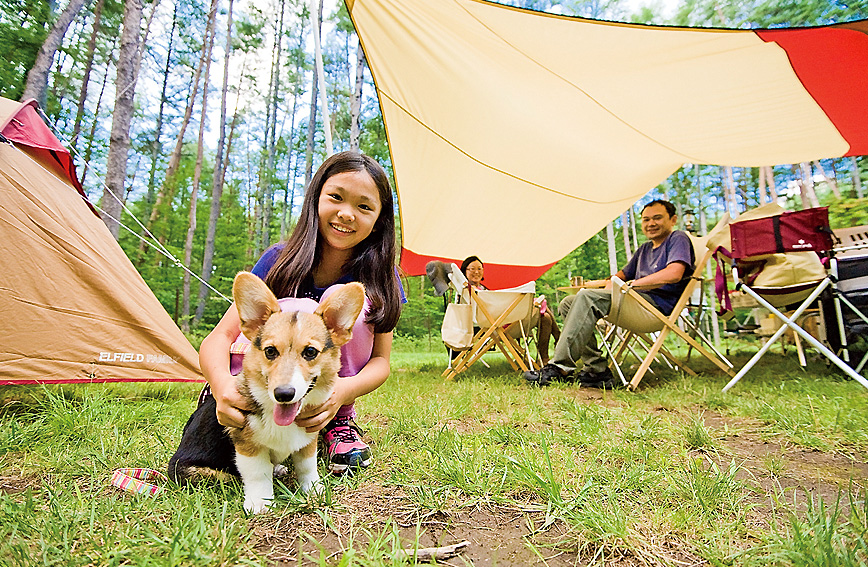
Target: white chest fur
{"x":282,"y":440}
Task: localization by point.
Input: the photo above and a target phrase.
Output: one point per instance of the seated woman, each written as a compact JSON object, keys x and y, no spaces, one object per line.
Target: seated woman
{"x":473,"y":270}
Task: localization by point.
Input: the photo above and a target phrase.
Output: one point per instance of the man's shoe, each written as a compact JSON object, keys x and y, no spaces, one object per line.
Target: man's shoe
{"x":604,"y":380}
{"x":545,"y":375}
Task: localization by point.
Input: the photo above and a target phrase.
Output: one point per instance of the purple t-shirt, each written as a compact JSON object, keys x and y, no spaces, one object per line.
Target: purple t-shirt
{"x":648,"y":260}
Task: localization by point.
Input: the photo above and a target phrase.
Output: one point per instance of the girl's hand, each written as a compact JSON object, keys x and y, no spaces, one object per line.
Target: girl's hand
{"x":230,"y":404}
{"x":313,"y":419}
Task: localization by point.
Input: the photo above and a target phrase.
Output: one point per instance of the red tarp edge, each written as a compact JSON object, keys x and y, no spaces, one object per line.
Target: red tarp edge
{"x":824,"y":60}
{"x":497,"y":276}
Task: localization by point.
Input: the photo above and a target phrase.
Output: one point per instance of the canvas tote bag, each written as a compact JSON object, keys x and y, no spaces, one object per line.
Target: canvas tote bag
{"x":457,"y":328}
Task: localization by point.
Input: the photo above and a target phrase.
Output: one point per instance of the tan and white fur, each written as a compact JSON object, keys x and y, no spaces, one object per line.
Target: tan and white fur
{"x":292,"y":364}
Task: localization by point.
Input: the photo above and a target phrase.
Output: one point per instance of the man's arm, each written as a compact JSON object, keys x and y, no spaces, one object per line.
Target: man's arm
{"x":672,"y":273}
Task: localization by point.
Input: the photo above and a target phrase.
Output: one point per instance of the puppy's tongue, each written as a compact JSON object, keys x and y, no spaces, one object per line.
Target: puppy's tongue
{"x":284,"y":414}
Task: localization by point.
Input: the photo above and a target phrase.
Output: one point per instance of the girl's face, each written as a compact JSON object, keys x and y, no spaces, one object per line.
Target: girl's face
{"x":349,"y":206}
{"x":474,"y":272}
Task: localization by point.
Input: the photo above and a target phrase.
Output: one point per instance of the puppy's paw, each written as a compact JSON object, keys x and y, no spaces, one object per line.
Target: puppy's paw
{"x":311,"y":484}
{"x":280,"y":470}
{"x":256,"y":505}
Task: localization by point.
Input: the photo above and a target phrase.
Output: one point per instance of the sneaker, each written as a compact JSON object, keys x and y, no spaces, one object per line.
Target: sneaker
{"x":344,"y":446}
{"x":545,"y":375}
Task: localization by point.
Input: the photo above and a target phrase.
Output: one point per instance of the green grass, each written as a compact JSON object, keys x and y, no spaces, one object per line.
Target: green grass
{"x":654,"y":475}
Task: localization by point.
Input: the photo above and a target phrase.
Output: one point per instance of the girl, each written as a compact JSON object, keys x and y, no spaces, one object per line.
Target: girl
{"x":345,"y":233}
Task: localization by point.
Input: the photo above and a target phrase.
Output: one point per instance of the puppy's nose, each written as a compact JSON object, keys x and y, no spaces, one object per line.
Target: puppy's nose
{"x":284,"y":394}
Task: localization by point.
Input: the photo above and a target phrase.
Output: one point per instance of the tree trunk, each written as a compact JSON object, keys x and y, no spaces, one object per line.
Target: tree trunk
{"x":217,"y":183}
{"x":36,"y":84}
{"x":356,"y":103}
{"x":625,"y":229}
{"x":830,"y":181}
{"x":729,"y":191}
{"x":809,"y":196}
{"x":167,"y":190}
{"x":197,"y":178}
{"x":271,"y":140}
{"x":770,"y":179}
{"x":613,"y":252}
{"x":85,"y":81}
{"x":311,"y":130}
{"x":763,"y":197}
{"x":122,"y":115}
{"x":156,"y":146}
{"x":320,"y":78}
{"x":857,"y":178}
{"x":88,"y":152}
{"x":314,"y":92}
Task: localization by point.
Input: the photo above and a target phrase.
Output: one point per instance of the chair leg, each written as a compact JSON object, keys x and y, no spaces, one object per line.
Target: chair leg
{"x":652,"y":353}
{"x":789,"y":323}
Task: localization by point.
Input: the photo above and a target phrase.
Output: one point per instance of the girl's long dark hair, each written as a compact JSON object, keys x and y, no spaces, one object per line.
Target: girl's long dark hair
{"x":373,"y":260}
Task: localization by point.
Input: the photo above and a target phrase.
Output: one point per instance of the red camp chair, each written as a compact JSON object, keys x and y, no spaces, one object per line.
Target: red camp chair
{"x":788,"y":243}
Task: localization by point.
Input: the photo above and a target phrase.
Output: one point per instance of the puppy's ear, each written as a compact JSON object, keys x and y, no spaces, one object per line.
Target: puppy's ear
{"x":254,"y":301}
{"x":340,"y":310}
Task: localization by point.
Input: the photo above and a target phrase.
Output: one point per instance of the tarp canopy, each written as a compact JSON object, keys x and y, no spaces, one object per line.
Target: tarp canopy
{"x":517,"y":135}
{"x":75,"y":308}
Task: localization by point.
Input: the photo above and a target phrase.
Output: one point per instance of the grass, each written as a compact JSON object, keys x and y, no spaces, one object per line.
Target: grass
{"x":674,"y":473}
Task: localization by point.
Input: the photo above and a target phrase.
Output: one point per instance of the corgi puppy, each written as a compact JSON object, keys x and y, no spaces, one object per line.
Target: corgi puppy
{"x":293,"y":362}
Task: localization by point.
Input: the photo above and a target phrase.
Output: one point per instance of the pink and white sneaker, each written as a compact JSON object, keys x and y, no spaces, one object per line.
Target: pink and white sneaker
{"x":344,"y":446}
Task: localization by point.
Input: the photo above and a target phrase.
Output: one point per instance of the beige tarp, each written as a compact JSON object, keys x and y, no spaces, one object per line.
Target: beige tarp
{"x":517,"y":135}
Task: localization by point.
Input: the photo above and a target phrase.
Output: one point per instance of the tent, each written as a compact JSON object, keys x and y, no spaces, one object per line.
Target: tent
{"x":76,"y":309}
{"x":517,"y":135}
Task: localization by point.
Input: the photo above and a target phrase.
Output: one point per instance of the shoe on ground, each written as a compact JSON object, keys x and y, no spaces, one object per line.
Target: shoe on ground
{"x":545,"y":375}
{"x":604,"y":380}
{"x":344,"y":446}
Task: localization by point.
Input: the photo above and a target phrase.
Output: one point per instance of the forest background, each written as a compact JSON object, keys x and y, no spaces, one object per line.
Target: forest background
{"x":202,"y":117}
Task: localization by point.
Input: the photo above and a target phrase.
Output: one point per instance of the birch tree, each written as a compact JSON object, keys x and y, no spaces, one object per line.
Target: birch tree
{"x":88,"y":69}
{"x":125,"y":88}
{"x":167,"y":190}
{"x":197,"y":175}
{"x":217,"y":182}
{"x":36,"y":84}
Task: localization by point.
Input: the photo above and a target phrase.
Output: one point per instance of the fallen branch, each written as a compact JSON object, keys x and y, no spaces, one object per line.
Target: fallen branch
{"x":429,"y":553}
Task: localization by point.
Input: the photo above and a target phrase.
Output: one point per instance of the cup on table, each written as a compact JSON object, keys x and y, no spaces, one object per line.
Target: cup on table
{"x":577,"y":281}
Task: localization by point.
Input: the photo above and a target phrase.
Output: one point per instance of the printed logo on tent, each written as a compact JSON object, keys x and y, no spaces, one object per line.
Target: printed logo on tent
{"x":136,"y":357}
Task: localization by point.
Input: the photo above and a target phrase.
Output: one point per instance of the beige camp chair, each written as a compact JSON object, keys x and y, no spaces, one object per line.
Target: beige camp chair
{"x":498,"y":314}
{"x":637,"y":322}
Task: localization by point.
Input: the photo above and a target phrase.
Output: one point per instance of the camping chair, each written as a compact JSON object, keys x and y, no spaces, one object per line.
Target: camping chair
{"x":775,"y":260}
{"x":500,"y":315}
{"x":646,"y":325}
{"x":843,"y":312}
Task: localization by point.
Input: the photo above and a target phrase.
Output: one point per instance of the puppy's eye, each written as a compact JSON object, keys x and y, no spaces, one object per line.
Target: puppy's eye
{"x":309,"y":353}
{"x":270,"y":352}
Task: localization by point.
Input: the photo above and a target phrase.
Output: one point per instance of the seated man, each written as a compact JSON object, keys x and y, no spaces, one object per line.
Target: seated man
{"x":660,"y":268}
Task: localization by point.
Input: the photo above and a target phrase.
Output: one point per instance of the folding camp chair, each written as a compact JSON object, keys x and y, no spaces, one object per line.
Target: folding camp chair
{"x":775,"y":260}
{"x":641,"y":320}
{"x":498,"y":314}
{"x":843,"y":312}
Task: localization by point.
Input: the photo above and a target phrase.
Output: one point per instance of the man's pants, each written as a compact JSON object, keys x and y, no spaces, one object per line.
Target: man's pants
{"x":578,"y":343}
